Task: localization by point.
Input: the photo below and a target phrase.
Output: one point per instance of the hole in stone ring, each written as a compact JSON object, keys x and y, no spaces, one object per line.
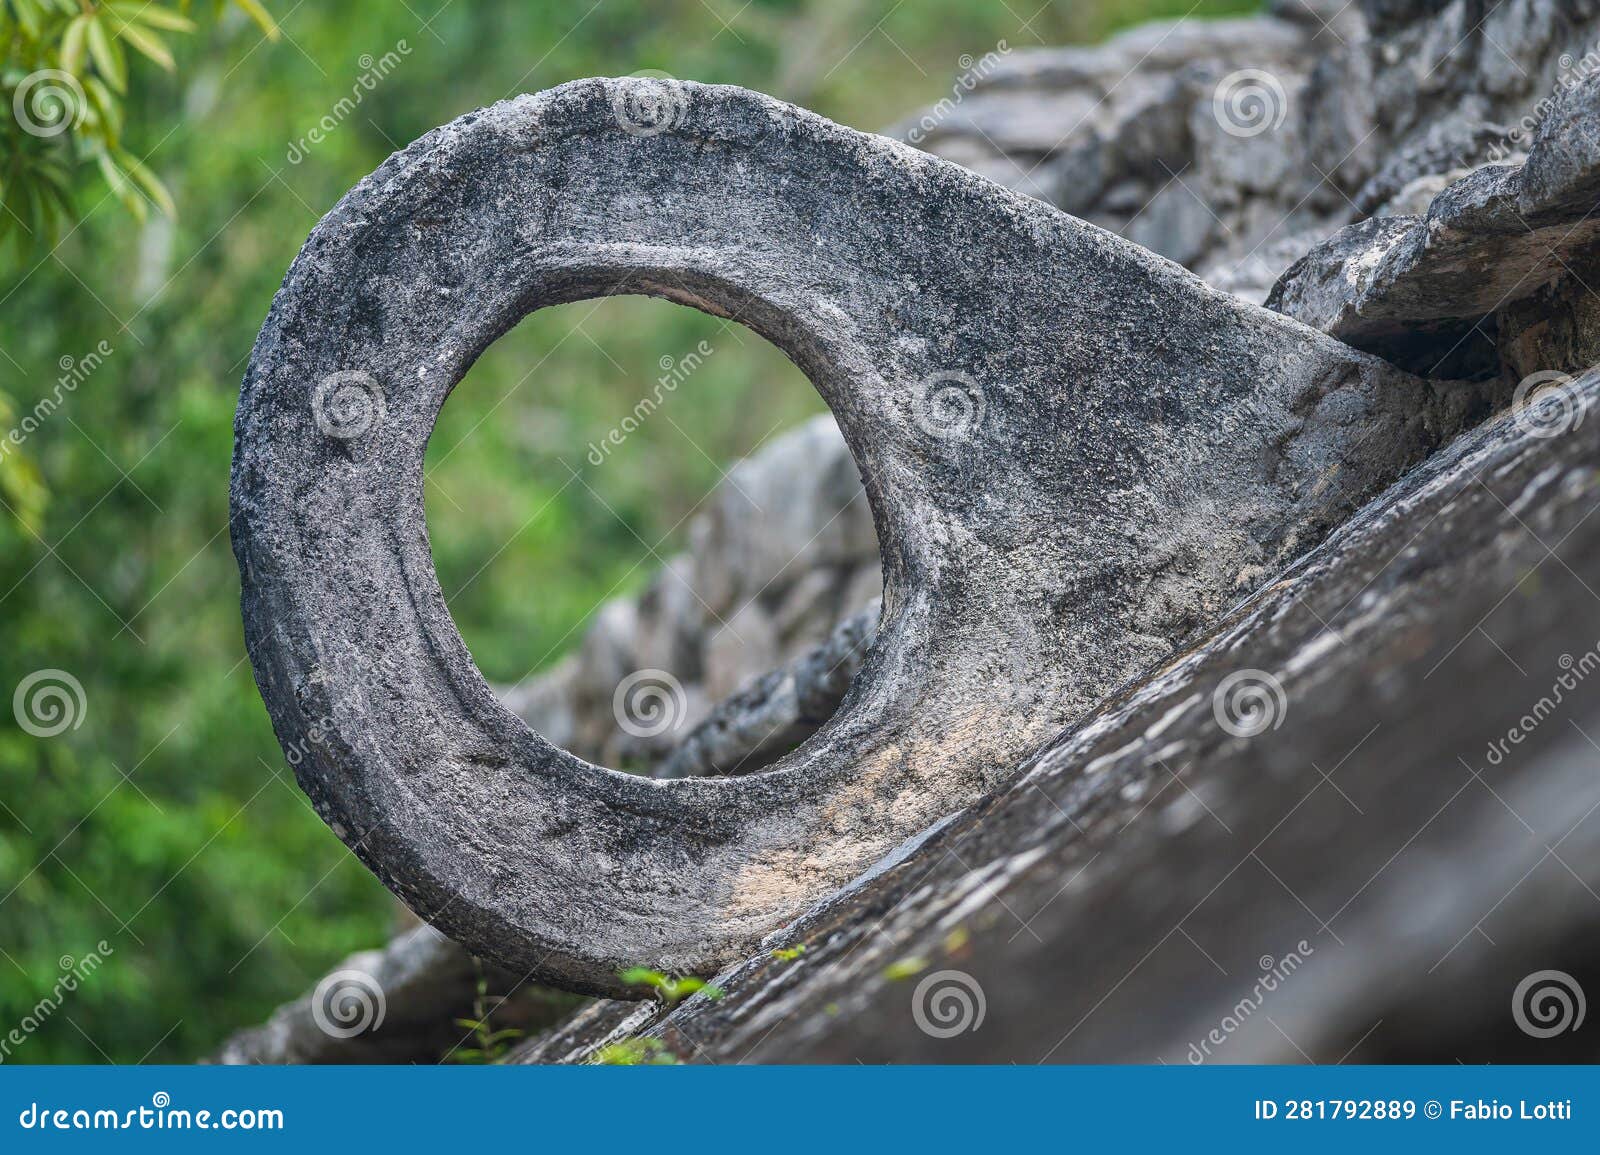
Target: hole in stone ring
{"x":643,"y":521}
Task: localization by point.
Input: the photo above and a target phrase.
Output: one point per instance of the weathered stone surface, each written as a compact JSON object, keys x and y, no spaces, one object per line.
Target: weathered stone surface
{"x":1323,"y":287}
{"x":1216,"y":141}
{"x":1446,"y":150}
{"x":1415,"y":289}
{"x":1075,"y":453}
{"x":1403,"y":827}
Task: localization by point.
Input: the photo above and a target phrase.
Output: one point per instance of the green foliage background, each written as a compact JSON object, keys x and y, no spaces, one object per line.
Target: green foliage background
{"x":167,"y":824}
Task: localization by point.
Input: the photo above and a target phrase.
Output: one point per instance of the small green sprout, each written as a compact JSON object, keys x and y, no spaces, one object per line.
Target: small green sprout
{"x":670,"y":989}
{"x":492,"y":1044}
{"x":905,"y":968}
{"x":789,"y":953}
{"x":645,"y":1052}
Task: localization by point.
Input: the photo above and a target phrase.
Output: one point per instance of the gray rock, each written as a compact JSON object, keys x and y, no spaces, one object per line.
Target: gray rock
{"x":1324,"y":287}
{"x":1414,"y":289}
{"x":744,"y":646}
{"x":1356,"y":853}
{"x":1344,"y":139}
{"x":1076,"y":455}
{"x":1158,"y":46}
{"x":766,"y":529}
{"x":671,"y":620}
{"x":1454,"y":145}
{"x":1330,"y":21}
{"x":1382,"y":110}
{"x":778,"y":710}
{"x":1176,"y":222}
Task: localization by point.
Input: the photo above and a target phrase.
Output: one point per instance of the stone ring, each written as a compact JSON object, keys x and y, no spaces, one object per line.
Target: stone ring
{"x":1075,"y":453}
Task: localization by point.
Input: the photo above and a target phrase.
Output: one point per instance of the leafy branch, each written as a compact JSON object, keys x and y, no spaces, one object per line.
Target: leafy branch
{"x":64,"y":78}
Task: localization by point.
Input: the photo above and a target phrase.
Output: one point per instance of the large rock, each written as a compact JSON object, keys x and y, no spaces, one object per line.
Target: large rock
{"x":1076,"y":455}
{"x":1416,"y":289}
{"x":1353,"y":823}
{"x":1232,"y":146}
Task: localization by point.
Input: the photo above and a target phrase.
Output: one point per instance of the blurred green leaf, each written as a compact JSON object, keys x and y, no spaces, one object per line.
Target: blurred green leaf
{"x":107,"y":54}
{"x":263,"y":18}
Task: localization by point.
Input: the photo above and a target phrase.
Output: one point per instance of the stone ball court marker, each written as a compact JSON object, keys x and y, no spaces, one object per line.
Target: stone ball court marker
{"x":1075,"y":452}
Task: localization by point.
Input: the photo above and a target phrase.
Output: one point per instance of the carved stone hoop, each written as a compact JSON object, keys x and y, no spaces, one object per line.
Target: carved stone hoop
{"x":1075,"y":454}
